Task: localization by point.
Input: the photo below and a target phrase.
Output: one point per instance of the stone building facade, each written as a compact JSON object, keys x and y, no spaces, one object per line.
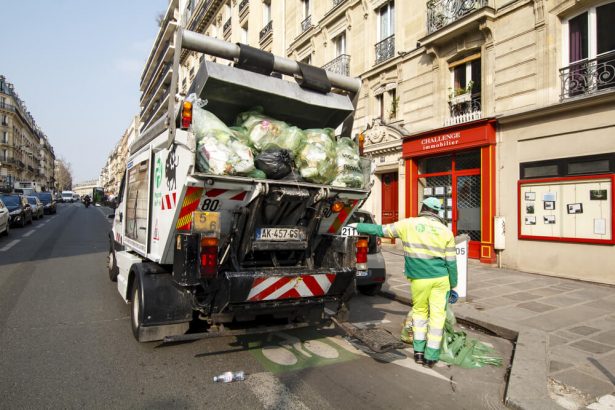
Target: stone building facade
{"x":115,"y":166}
{"x":475,"y":102}
{"x":26,"y":156}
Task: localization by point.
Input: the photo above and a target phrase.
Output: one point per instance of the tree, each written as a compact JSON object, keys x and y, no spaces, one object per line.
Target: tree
{"x":64,"y":175}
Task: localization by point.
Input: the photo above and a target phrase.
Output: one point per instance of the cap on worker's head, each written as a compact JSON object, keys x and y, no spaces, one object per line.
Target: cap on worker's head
{"x":433,"y":203}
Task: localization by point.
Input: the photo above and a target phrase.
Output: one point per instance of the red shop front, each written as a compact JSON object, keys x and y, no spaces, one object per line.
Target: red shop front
{"x":457,"y":165}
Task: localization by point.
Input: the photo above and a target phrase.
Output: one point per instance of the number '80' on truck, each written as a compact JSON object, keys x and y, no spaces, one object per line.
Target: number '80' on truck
{"x":226,"y":249}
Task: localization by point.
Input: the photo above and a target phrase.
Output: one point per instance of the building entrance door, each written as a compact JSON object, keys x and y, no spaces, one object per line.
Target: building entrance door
{"x":455,"y":180}
{"x":390,"y":202}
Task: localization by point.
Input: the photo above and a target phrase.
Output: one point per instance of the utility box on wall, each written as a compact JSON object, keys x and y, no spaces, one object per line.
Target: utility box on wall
{"x":499,"y":231}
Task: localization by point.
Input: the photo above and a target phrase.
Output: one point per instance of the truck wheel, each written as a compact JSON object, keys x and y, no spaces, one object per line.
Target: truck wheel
{"x":370,"y":290}
{"x":112,"y":265}
{"x":136,"y":309}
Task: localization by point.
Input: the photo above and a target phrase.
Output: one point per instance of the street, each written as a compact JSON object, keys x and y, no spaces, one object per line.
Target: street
{"x":66,"y":343}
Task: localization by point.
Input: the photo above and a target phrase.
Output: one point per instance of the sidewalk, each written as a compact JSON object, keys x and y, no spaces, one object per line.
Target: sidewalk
{"x":575,"y":321}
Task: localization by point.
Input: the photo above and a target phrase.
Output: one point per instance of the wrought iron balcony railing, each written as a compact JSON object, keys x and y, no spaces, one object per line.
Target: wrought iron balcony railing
{"x":464,"y":109}
{"x":306,"y":24}
{"x":227,"y":27}
{"x":337,"y":2}
{"x":441,"y":13}
{"x":243,"y":5}
{"x":385,"y":49}
{"x":589,"y":76}
{"x":339,"y":65}
{"x":268,"y":29}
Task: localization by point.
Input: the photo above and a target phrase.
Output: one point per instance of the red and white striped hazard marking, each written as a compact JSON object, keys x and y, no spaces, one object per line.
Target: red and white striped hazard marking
{"x":290,"y":287}
{"x":169,"y":201}
{"x":226,"y":194}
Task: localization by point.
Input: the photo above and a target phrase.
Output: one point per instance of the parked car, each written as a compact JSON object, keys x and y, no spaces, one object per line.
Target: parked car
{"x":20,"y":210}
{"x":4,"y":219}
{"x":37,"y":207}
{"x":370,"y":282}
{"x":49,"y":203}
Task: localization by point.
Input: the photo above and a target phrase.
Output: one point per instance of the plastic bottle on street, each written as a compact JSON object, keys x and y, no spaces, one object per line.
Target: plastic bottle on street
{"x":228,"y":377}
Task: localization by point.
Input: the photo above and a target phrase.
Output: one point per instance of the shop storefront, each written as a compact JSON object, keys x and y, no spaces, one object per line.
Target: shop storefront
{"x":457,"y":165}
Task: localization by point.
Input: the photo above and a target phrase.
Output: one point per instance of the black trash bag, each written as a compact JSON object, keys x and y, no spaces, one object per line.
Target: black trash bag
{"x":275,"y":163}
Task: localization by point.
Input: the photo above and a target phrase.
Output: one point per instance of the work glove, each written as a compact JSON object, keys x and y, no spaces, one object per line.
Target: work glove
{"x":453,"y":296}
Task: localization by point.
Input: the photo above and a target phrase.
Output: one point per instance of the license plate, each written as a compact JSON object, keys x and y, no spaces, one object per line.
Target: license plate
{"x":361,"y":273}
{"x":279,"y":234}
{"x":349,"y":231}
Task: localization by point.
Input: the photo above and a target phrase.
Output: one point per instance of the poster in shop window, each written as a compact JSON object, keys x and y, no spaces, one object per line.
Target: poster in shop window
{"x":568,"y":211}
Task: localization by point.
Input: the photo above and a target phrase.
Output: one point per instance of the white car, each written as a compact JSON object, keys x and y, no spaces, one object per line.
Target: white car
{"x":4,"y":219}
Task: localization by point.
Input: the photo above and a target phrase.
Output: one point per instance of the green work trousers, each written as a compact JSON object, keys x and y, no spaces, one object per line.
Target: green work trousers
{"x":429,"y":314}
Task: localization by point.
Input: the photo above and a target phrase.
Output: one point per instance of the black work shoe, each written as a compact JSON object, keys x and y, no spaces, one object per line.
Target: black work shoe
{"x":419,"y":358}
{"x":430,"y":363}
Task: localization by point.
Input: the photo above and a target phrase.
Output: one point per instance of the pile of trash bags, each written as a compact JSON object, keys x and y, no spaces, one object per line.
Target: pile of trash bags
{"x":259,"y":146}
{"x":460,"y":350}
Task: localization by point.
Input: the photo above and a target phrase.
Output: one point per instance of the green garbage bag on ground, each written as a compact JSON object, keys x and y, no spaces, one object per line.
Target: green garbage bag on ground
{"x":460,"y":350}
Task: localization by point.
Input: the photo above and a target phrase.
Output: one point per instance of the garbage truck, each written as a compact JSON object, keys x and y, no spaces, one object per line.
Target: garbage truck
{"x":200,"y":251}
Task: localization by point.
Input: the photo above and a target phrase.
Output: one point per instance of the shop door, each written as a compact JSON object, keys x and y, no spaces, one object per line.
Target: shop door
{"x":455,"y":180}
{"x":389,"y":198}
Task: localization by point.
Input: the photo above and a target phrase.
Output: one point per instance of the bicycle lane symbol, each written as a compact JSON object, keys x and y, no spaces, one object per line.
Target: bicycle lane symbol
{"x":304,"y":348}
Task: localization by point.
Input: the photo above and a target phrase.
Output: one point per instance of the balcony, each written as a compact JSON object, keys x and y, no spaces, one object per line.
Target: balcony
{"x":8,"y":107}
{"x":464,"y":108}
{"x":244,"y":8}
{"x":227,"y":28}
{"x":339,"y":65}
{"x":266,"y":32}
{"x":441,"y":13}
{"x":385,"y":49}
{"x":588,"y":77}
{"x":306,"y":24}
{"x":337,"y":2}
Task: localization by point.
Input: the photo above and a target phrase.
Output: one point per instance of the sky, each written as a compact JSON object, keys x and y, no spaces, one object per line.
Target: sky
{"x":77,"y":66}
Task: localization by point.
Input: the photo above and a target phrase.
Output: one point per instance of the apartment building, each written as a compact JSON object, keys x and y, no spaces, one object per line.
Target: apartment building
{"x":502,"y":109}
{"x":115,"y":166}
{"x":26,"y":156}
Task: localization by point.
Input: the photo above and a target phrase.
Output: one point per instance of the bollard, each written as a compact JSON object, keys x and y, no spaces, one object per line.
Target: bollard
{"x":461,"y":248}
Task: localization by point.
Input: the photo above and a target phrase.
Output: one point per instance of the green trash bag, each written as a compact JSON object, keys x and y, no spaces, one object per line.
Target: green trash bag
{"x":460,"y":350}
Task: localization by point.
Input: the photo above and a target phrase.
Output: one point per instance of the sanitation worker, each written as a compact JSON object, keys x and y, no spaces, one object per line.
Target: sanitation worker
{"x":431,"y":267}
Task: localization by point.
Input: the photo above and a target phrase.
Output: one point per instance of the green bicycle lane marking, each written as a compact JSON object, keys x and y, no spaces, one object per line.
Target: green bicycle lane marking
{"x":296,"y":350}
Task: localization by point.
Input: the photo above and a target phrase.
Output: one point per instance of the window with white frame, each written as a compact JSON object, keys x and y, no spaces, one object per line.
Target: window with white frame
{"x":266,"y":12}
{"x":386,"y":21}
{"x":244,"y":34}
{"x":340,"y":44}
{"x":466,"y":77}
{"x":305,"y":7}
{"x":589,"y":51}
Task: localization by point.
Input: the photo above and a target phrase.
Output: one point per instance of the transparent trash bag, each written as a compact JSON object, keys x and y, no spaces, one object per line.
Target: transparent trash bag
{"x":460,"y":350}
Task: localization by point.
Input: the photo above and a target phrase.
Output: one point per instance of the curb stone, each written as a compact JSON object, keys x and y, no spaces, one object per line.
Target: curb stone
{"x":527,"y":387}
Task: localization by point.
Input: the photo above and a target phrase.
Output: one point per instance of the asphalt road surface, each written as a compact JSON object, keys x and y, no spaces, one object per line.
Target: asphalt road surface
{"x":65,"y":342}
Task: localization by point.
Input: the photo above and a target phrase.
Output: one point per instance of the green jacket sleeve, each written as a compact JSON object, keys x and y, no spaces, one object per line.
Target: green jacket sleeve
{"x":370,"y":229}
{"x":451,"y":262}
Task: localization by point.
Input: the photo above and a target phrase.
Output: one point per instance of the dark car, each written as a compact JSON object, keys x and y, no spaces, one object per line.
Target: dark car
{"x":37,"y":207}
{"x":20,"y":210}
{"x":370,"y":282}
{"x":49,"y":203}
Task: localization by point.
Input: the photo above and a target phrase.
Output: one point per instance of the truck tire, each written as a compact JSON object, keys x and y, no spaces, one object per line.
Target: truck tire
{"x":112,"y":265}
{"x":136,"y":309}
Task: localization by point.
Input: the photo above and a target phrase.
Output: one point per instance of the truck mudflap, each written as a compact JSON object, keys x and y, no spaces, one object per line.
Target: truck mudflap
{"x":254,"y":287}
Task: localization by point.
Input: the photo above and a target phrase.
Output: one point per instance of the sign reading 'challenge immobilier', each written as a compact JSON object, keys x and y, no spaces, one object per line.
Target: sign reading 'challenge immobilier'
{"x":441,"y":141}
{"x":480,"y":133}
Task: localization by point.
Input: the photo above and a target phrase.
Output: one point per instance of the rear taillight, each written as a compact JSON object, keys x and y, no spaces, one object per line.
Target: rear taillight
{"x":209,"y":257}
{"x":186,"y":115}
{"x":362,"y":244}
{"x":361,"y":142}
